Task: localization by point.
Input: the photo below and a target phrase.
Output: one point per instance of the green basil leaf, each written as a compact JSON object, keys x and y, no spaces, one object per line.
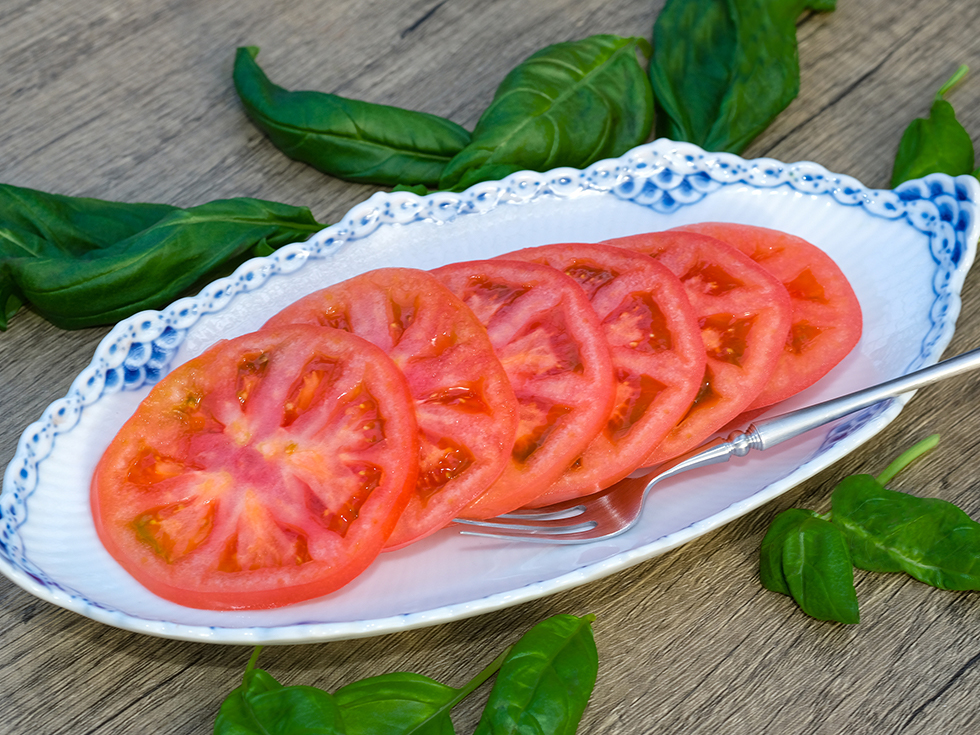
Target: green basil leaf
{"x":83,"y":262}
{"x":263,"y":706}
{"x":819,"y":573}
{"x":722,"y":70}
{"x":888,"y":531}
{"x":12,"y":304}
{"x":405,"y":703}
{"x":33,"y":223}
{"x":771,"y":552}
{"x":569,"y":104}
{"x":936,"y":144}
{"x":351,"y":139}
{"x":545,"y":682}
{"x":34,"y":220}
{"x":419,"y":189}
{"x":397,"y":703}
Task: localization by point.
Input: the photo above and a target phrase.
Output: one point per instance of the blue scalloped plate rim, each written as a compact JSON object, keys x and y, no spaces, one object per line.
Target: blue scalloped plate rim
{"x":663,"y":178}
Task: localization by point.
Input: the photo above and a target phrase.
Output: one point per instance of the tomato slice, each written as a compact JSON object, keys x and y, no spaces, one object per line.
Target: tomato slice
{"x":744,"y":315}
{"x":551,"y":344}
{"x":826,"y":321}
{"x":269,"y":470}
{"x":465,"y":407}
{"x":657,"y":354}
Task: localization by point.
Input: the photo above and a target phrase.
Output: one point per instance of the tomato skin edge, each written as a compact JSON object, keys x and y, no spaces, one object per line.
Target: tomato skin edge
{"x":440,"y":346}
{"x":786,"y":256}
{"x":288,"y":583}
{"x":720,"y":280}
{"x":519,"y":292}
{"x":610,"y":275}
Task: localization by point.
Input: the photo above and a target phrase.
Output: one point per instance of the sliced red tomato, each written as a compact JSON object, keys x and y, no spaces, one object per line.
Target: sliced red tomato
{"x":465,"y":406}
{"x":269,"y":470}
{"x":551,"y":344}
{"x":826,"y":314}
{"x":744,"y":315}
{"x":657,"y":354}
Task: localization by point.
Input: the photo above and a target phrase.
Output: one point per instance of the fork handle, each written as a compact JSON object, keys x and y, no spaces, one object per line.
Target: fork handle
{"x":769,"y":432}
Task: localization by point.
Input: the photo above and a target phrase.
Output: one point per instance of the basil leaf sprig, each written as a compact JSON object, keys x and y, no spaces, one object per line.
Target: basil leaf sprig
{"x":350,"y":139}
{"x":806,"y":557}
{"x":569,"y":104}
{"x":263,"y":705}
{"x":929,"y":539}
{"x":546,"y":680}
{"x":936,"y":144}
{"x":722,"y":70}
{"x":83,"y":262}
{"x":404,"y":702}
{"x":811,"y":557}
{"x":543,"y":684}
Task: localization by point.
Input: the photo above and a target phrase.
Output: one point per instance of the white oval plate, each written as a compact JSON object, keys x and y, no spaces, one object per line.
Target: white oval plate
{"x":906,"y":252}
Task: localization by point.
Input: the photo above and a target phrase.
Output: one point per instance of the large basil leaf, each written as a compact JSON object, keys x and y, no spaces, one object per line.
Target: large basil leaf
{"x":32,"y":221}
{"x":771,"y":552}
{"x":935,"y":144}
{"x":928,"y":538}
{"x":722,"y":70}
{"x":82,"y":262}
{"x":545,"y":682}
{"x":351,"y":139}
{"x":396,"y":704}
{"x":404,"y":703}
{"x":263,"y":706}
{"x":569,"y":104}
{"x":818,"y":571}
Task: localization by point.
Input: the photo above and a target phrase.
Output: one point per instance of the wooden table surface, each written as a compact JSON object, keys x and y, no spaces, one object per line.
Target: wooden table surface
{"x":132,"y":100}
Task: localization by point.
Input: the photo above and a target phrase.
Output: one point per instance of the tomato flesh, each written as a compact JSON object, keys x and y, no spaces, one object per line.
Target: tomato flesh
{"x":465,"y":407}
{"x":743,"y":313}
{"x":551,"y":344}
{"x":826,"y":322}
{"x":276,"y":466}
{"x":657,"y":355}
{"x":269,"y":470}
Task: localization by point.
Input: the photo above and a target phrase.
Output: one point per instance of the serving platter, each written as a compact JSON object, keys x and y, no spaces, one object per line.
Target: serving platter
{"x":906,"y":253}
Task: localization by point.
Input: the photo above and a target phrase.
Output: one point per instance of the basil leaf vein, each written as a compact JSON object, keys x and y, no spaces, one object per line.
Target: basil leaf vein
{"x":928,"y":538}
{"x":546,"y":680}
{"x":263,"y":706}
{"x":771,"y":552}
{"x":569,"y":104}
{"x":819,"y":572}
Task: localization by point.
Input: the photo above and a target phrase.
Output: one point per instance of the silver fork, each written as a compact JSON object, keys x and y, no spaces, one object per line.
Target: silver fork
{"x":612,"y":511}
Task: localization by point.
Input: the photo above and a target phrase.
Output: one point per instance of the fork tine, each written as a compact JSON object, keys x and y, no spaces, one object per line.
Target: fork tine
{"x":500,"y":525}
{"x":601,"y":515}
{"x":538,"y":534}
{"x":549,"y":513}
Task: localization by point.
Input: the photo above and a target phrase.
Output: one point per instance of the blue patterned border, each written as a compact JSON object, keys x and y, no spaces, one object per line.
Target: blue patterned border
{"x":662,"y":175}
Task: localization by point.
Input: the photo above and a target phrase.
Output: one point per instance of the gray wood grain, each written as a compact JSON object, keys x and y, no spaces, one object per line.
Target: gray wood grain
{"x":132,"y":100}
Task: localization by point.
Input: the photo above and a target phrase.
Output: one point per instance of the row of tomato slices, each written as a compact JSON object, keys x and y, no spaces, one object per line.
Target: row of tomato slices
{"x":275,"y":467}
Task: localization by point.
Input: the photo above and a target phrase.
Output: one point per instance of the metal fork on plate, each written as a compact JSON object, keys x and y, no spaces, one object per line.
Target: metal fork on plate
{"x":613,"y":510}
